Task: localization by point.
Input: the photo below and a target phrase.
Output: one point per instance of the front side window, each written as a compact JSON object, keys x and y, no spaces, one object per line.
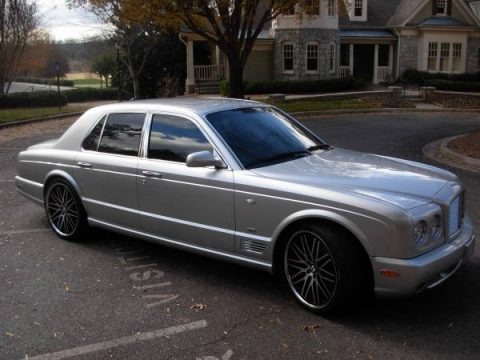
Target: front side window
{"x":313,"y":7}
{"x":332,"y":57}
{"x":331,"y":8}
{"x":122,"y":134}
{"x":287,"y":57}
{"x":358,"y":10}
{"x":173,"y":138}
{"x":456,"y":57}
{"x":312,"y":57}
{"x":262,"y":136}
{"x":92,"y":140}
{"x":441,"y":7}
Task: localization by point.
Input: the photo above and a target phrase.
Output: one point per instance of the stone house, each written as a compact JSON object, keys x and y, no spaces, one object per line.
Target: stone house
{"x":372,"y":39}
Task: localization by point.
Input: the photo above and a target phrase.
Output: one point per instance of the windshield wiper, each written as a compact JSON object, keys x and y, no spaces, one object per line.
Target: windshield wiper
{"x":320,"y":147}
{"x":279,"y":157}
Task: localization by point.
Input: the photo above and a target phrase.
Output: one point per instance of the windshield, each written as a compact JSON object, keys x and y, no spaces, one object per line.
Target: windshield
{"x":263,"y":136}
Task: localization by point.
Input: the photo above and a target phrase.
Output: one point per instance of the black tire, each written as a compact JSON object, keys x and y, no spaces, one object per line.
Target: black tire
{"x":65,"y":213}
{"x":324,"y":268}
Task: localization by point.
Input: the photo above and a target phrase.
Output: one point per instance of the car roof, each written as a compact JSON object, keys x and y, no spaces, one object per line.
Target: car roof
{"x":193,"y":104}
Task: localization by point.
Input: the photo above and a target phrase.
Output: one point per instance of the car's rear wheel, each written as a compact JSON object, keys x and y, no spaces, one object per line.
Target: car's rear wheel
{"x":323,"y":268}
{"x":64,"y":210}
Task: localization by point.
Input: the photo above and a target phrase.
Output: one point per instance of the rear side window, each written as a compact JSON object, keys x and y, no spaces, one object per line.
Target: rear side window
{"x":122,"y":134}
{"x":173,"y":138}
{"x":91,"y":141}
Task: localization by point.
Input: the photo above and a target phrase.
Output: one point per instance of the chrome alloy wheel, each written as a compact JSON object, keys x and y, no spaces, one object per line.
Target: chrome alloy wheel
{"x":62,"y":209}
{"x":310,"y":269}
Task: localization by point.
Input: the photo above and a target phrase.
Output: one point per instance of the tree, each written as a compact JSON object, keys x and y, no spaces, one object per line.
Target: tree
{"x":104,"y":66}
{"x":17,"y":24}
{"x":55,"y":55}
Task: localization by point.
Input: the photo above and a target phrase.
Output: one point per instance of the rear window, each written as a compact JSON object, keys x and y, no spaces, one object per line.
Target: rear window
{"x":92,"y":140}
{"x":122,"y":134}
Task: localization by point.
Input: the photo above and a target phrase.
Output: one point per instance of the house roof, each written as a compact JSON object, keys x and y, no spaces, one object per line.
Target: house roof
{"x":379,"y":12}
{"x":441,"y":21}
{"x":403,"y":11}
{"x":367,"y":33}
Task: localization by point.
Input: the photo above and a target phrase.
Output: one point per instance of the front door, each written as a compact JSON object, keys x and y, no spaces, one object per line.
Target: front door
{"x":179,"y":203}
{"x":363,"y":66}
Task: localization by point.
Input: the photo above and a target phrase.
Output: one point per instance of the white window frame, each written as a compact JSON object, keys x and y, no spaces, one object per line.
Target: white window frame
{"x":447,"y":57}
{"x":317,"y":56}
{"x":332,"y":58}
{"x":332,"y":8}
{"x":284,"y":51}
{"x":313,"y":5}
{"x":443,"y":4}
{"x":358,"y":4}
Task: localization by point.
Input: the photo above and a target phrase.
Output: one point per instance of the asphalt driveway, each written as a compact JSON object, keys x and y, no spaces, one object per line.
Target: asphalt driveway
{"x":116,"y":297}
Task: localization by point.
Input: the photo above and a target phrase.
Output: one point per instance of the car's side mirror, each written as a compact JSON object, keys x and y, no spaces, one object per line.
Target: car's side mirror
{"x":204,"y":159}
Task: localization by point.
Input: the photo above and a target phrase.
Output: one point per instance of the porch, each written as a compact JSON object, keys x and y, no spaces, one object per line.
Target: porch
{"x":367,"y":54}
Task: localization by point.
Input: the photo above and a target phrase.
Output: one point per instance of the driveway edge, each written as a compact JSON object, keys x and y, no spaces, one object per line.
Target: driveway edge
{"x":40,"y":119}
{"x":380,"y":111}
{"x":440,"y":152}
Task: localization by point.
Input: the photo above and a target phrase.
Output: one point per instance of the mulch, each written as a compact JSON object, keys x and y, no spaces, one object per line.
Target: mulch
{"x":468,"y":145}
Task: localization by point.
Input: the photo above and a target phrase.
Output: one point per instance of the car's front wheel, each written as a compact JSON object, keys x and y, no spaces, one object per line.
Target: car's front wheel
{"x":64,"y":210}
{"x":323,"y":268}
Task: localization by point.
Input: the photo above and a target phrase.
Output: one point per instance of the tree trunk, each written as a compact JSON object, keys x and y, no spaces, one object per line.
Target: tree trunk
{"x":136,"y":87}
{"x":236,"y":78}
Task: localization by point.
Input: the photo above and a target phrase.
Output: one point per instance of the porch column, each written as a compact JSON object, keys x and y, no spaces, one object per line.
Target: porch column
{"x":218,"y":56}
{"x":375,"y":65}
{"x":190,"y":81}
{"x":390,"y":60}
{"x":350,"y":60}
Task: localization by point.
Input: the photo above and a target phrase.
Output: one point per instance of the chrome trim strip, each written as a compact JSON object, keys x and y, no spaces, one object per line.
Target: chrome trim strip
{"x":30,"y":197}
{"x":29,"y":182}
{"x":49,"y":163}
{"x":184,"y":245}
{"x":178,"y":221}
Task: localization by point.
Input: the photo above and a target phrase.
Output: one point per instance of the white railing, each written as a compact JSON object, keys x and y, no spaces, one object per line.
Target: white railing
{"x":345,"y":72}
{"x":209,"y":72}
{"x":384,"y":73}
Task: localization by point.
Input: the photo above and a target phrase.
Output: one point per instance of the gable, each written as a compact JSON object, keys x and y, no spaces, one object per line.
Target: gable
{"x":459,"y":16}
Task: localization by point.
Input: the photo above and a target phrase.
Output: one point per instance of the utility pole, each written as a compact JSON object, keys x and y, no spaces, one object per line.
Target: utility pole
{"x":119,"y":93}
{"x":57,"y":71}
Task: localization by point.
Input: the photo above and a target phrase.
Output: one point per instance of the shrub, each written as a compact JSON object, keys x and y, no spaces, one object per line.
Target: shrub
{"x":32,"y":99}
{"x":93,"y":94}
{"x":449,"y":85}
{"x":412,"y":76}
{"x":43,"y":81}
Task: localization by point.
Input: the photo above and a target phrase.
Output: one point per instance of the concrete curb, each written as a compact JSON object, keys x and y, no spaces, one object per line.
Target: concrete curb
{"x":439,"y":151}
{"x":40,"y":119}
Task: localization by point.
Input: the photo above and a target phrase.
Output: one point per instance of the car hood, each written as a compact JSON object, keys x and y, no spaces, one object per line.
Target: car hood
{"x":400,"y":182}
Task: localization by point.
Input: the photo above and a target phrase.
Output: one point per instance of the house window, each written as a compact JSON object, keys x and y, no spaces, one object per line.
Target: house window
{"x":313,"y":7}
{"x":432,"y":56}
{"x":456,"y":57}
{"x":332,"y":55}
{"x":358,"y":9}
{"x":442,"y":7}
{"x":289,"y":12}
{"x":312,"y":57}
{"x":288,"y":58}
{"x":444,"y":57}
{"x":331,"y":8}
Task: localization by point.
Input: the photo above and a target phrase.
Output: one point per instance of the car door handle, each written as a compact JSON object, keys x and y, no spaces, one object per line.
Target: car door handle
{"x":84,"y":165}
{"x":151,"y":174}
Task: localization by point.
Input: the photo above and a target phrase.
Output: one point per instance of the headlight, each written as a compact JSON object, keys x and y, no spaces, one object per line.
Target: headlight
{"x":437,"y":228}
{"x":420,"y":233}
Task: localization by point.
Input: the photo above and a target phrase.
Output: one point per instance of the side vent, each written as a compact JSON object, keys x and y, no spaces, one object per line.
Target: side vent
{"x":257,"y":247}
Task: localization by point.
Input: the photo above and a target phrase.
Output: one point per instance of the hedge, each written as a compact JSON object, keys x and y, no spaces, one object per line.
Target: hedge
{"x":448,"y":85}
{"x":32,"y":99}
{"x":92,"y":94}
{"x":298,"y":87}
{"x":43,"y":81}
{"x":412,"y":76}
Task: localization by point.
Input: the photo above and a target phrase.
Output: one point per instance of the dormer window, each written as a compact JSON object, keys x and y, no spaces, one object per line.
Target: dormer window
{"x":442,"y":7}
{"x":358,"y":9}
{"x":313,"y":7}
{"x":289,"y":12}
{"x":331,"y":8}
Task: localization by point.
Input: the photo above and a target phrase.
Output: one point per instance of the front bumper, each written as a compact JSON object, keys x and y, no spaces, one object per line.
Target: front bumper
{"x":425,"y":271}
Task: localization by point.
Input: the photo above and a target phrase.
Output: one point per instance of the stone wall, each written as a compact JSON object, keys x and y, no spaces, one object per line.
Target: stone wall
{"x":455,"y":100}
{"x":473,"y":47}
{"x":408,"y":53}
{"x":299,"y":38}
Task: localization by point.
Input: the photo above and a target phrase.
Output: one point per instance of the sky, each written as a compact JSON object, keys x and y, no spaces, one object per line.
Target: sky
{"x":65,"y":24}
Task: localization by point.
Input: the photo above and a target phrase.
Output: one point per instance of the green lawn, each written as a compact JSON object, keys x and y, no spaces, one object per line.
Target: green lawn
{"x":87,"y":83}
{"x":8,"y":115}
{"x":320,"y":105}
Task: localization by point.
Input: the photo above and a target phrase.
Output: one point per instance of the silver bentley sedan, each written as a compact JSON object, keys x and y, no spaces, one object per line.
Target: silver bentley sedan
{"x":245,"y":182}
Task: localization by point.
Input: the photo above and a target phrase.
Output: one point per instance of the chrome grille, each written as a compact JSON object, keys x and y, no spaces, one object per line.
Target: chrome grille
{"x":455,"y":215}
